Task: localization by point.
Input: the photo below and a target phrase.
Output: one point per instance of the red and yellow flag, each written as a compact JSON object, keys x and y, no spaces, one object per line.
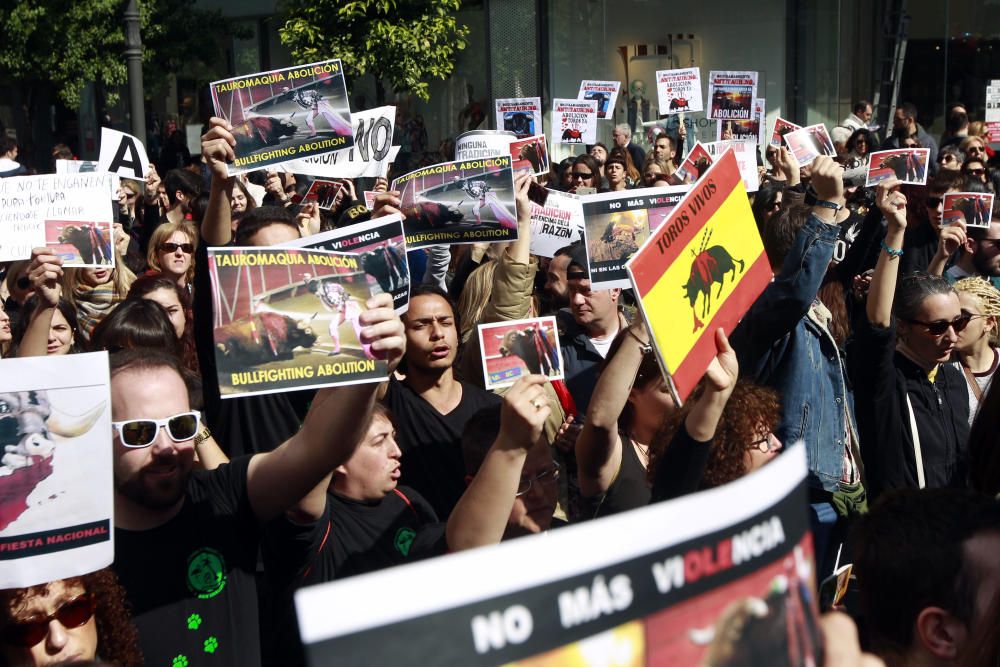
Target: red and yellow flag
{"x":700,"y":270}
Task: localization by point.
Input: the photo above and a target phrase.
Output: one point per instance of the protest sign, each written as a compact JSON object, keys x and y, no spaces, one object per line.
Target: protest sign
{"x":695,"y":164}
{"x":746,"y":159}
{"x":369,"y":157}
{"x":370,"y":199}
{"x":617,"y":224}
{"x":808,"y":143}
{"x":323,"y":193}
{"x":469,"y":201}
{"x":973,"y":208}
{"x":81,"y":244}
{"x":747,"y":131}
{"x":122,"y":154}
{"x":706,"y":263}
{"x":512,"y":349}
{"x":285,"y":114}
{"x":26,"y":202}
{"x":781,"y":128}
{"x":531,"y":153}
{"x":557,"y":224}
{"x":478,"y":144}
{"x":679,"y":90}
{"x":287,"y":318}
{"x":731,"y":94}
{"x":574,"y":121}
{"x":993,"y":112}
{"x":75,"y":166}
{"x":647,"y":595}
{"x":605,"y":93}
{"x":380,"y":245}
{"x":520,"y":115}
{"x":909,"y":165}
{"x":56,"y":490}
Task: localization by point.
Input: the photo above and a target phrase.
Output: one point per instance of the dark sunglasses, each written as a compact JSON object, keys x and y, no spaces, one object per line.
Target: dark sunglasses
{"x":577,"y":175}
{"x":172,"y":247}
{"x":934,"y":202}
{"x":940,"y":327}
{"x":71,"y":614}
{"x":975,"y":172}
{"x":137,"y":433}
{"x":947,"y":159}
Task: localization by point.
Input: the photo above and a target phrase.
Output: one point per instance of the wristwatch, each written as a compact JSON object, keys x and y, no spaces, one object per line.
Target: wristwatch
{"x":812,"y":199}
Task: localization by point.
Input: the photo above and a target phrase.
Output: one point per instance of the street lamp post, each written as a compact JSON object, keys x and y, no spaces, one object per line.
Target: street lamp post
{"x":133,"y":57}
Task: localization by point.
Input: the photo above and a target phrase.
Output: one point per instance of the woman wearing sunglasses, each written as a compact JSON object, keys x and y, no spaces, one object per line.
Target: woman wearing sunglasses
{"x":912,"y":406}
{"x":68,"y":620}
{"x":976,"y":351}
{"x":171,"y":251}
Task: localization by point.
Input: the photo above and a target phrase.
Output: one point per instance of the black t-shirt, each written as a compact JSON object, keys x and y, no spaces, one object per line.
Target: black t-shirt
{"x":629,"y":489}
{"x":190,"y":582}
{"x":432,"y":442}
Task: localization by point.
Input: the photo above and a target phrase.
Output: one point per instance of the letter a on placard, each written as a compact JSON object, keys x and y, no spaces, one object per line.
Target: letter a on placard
{"x":122,"y":154}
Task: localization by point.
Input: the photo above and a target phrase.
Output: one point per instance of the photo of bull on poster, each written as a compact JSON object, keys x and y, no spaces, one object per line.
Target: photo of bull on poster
{"x":285,"y":114}
{"x":781,"y":128}
{"x":909,"y":165}
{"x":809,"y":143}
{"x":530,"y":154}
{"x":56,"y":487}
{"x":477,"y":144}
{"x":469,"y":201}
{"x":520,"y":115}
{"x":324,"y":193}
{"x":679,"y":90}
{"x":972,"y":208}
{"x":557,"y":224}
{"x":369,"y":157}
{"x":605,"y":93}
{"x":511,"y":350}
{"x":695,"y":164}
{"x":287,"y":318}
{"x":81,"y":244}
{"x":574,"y":121}
{"x":380,"y":245}
{"x":617,"y":224}
{"x":732,"y":95}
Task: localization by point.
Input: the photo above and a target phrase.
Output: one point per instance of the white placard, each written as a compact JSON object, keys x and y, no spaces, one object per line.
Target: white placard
{"x":574,"y":121}
{"x":122,"y":154}
{"x":370,"y":156}
{"x":679,"y":90}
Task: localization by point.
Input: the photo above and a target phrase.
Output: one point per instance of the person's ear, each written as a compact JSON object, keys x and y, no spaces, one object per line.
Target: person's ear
{"x":940,"y":633}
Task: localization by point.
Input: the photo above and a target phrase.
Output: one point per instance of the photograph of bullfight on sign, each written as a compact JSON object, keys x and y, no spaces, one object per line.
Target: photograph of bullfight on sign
{"x":286,"y":114}
{"x":466,"y":201}
{"x":287,"y":318}
{"x":326,"y":194}
{"x":81,"y":244}
{"x":520,"y":115}
{"x":530,"y":154}
{"x":908,"y":165}
{"x":511,"y":350}
{"x":695,"y":164}
{"x":56,"y":487}
{"x":382,"y":249}
{"x":781,"y":128}
{"x":731,"y":95}
{"x":605,"y":93}
{"x":809,"y":143}
{"x":975,"y":209}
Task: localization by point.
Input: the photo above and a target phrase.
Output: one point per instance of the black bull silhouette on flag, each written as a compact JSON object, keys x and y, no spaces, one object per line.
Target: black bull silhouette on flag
{"x":710,"y":266}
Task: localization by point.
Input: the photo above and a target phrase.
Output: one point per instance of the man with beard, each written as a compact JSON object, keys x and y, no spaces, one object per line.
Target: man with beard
{"x":186,"y":543}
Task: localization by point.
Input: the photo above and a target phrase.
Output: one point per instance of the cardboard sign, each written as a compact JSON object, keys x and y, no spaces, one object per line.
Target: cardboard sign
{"x":369,"y":157}
{"x":557,"y":224}
{"x":909,"y":165}
{"x":781,"y":128}
{"x":731,"y":95}
{"x":520,"y":115}
{"x":122,"y":154}
{"x":809,"y":143}
{"x":631,"y":595}
{"x":747,"y":131}
{"x":746,"y":158}
{"x":975,"y":209}
{"x":286,"y":114}
{"x":679,"y":90}
{"x":574,"y":122}
{"x":605,"y":93}
{"x":56,"y":487}
{"x":700,"y":271}
{"x":510,"y":350}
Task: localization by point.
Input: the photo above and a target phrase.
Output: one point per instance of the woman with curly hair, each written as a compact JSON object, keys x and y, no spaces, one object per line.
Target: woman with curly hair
{"x":68,"y":620}
{"x":724,"y":431}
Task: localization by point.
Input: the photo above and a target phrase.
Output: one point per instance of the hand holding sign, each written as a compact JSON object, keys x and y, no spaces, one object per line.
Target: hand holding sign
{"x":122,"y":154}
{"x":525,"y":409}
{"x":218,"y":147}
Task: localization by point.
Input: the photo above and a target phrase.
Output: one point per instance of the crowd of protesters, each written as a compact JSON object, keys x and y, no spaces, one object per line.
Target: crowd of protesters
{"x":875,"y":345}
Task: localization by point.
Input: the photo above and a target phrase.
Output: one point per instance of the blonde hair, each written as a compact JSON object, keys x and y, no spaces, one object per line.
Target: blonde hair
{"x":964,"y":146}
{"x":987,"y":298}
{"x":977,"y":128}
{"x":121,"y":280}
{"x":160,"y":236}
{"x":475,"y":295}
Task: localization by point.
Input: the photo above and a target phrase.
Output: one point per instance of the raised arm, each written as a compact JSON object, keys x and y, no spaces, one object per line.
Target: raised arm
{"x":892,"y":203}
{"x":217,"y":149}
{"x":951,"y":238}
{"x":45,"y":273}
{"x":336,"y":423}
{"x":480,"y":517}
{"x":520,"y":249}
{"x":599,"y":447}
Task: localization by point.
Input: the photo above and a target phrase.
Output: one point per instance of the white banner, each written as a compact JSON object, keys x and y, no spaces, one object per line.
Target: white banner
{"x":370,"y":156}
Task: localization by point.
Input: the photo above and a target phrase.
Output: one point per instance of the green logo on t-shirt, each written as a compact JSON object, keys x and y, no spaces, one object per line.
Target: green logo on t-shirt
{"x":404,"y":540}
{"x":206,"y":573}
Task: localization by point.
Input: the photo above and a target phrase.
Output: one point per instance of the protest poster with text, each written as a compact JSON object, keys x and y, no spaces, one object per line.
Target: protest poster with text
{"x":731,"y":95}
{"x":908,"y":165}
{"x":380,"y":245}
{"x":520,"y":115}
{"x":700,"y":271}
{"x":285,"y":114}
{"x":632,"y":594}
{"x":746,"y":131}
{"x":287,"y":319}
{"x":679,"y":90}
{"x":616,"y":226}
{"x":574,"y":121}
{"x":26,"y":202}
{"x":992,"y":115}
{"x":694,"y":166}
{"x":781,"y":128}
{"x":476,"y":144}
{"x":512,"y":349}
{"x":369,"y":157}
{"x":470,"y":201}
{"x":557,"y":224}
{"x":975,"y":209}
{"x":605,"y":93}
{"x":56,"y":487}
{"x":746,"y":158}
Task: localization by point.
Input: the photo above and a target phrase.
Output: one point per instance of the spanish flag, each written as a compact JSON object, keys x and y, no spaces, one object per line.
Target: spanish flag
{"x":700,"y":270}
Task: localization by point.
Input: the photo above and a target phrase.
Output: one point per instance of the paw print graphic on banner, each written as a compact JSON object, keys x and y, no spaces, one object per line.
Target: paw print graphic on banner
{"x":211,"y":644}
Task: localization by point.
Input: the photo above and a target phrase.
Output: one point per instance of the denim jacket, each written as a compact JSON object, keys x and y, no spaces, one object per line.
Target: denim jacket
{"x":782,"y":344}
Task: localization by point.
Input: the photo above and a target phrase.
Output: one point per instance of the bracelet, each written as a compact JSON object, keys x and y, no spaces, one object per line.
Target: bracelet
{"x":644,"y":346}
{"x":203,"y":435}
{"x":829,"y":204}
{"x":892,"y":251}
